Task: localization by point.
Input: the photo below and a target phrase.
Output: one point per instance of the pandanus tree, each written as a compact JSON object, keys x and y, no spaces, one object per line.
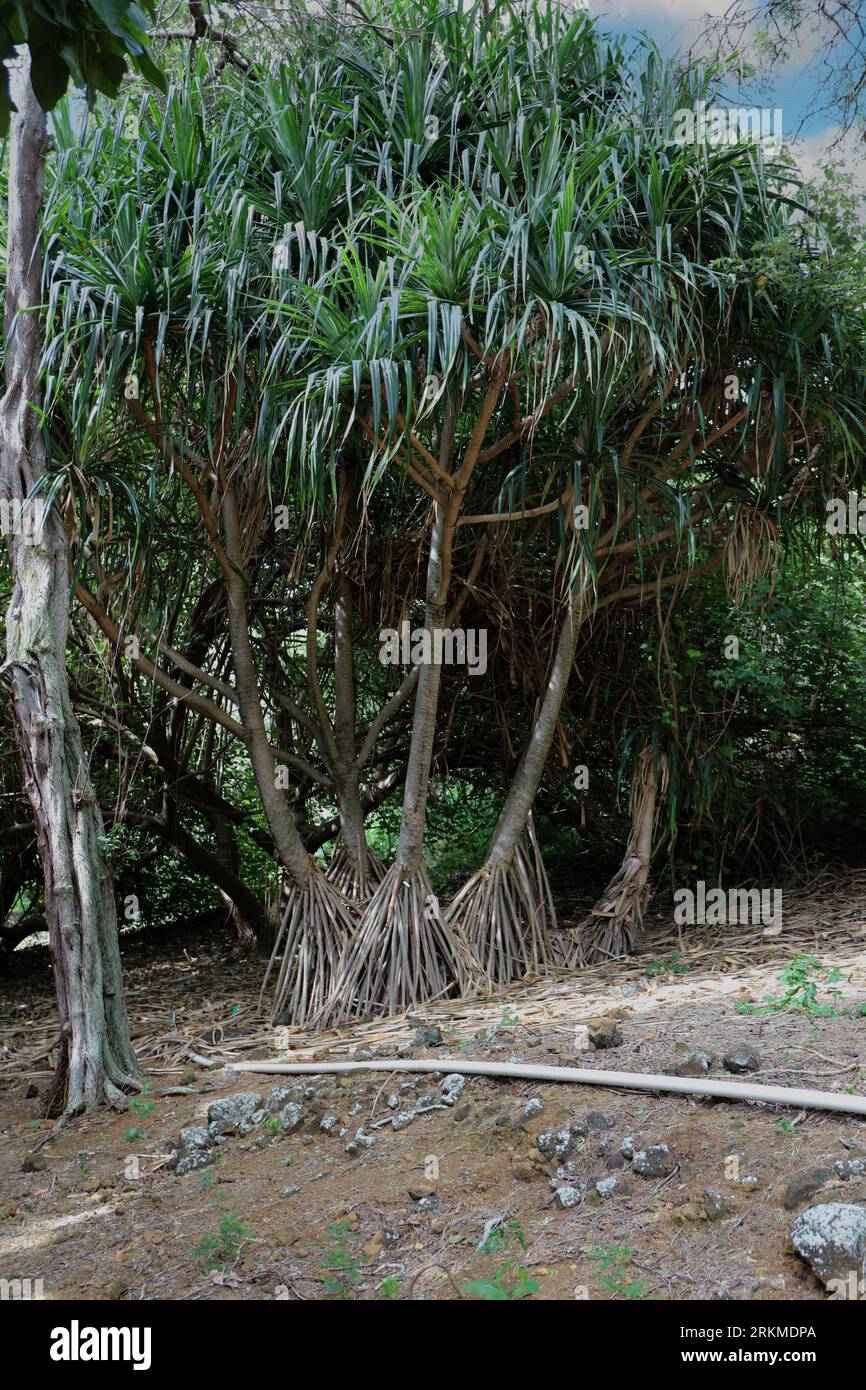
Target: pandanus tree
{"x":443,"y":345}
{"x":789,"y":357}
{"x":521,"y":334}
{"x":159,"y":340}
{"x":166,"y":255}
{"x":458,"y":274}
{"x":757,"y":382}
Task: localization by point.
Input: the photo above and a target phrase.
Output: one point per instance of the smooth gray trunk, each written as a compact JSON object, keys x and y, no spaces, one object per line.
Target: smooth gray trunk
{"x":346,"y":772}
{"x":411,"y":843}
{"x":527,"y":779}
{"x":96,"y":1060}
{"x":281,"y":822}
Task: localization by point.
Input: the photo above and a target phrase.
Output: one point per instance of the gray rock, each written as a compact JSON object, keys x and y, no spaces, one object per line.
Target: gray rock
{"x":597,"y":1120}
{"x":199,"y":1159}
{"x":393,"y":1102}
{"x":851,"y":1167}
{"x":654,"y":1162}
{"x":281,"y":1095}
{"x":290,"y":1117}
{"x":715,"y":1204}
{"x":428,"y":1036}
{"x":568,"y":1197}
{"x":195,"y":1137}
{"x":227,"y":1115}
{"x":402,"y":1119}
{"x":290,"y":1190}
{"x":258,"y":1116}
{"x":327,"y":1123}
{"x":832,"y":1239}
{"x":567,"y":1171}
{"x":556,"y":1143}
{"x":430,"y":1203}
{"x":742,"y":1059}
{"x":605,"y":1187}
{"x":626,"y":1148}
{"x":453,"y":1087}
{"x":805,"y":1185}
{"x":697,"y":1063}
{"x":750,"y":1183}
{"x":532,"y":1108}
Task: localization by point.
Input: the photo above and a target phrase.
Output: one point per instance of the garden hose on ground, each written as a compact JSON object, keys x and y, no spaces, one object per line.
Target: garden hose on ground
{"x":636,"y":1081}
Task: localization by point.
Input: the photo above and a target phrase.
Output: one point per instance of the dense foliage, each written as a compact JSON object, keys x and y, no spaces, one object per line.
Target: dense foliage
{"x":299,"y":295}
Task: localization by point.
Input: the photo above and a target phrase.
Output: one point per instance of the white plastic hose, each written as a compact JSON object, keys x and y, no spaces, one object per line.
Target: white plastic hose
{"x":636,"y":1081}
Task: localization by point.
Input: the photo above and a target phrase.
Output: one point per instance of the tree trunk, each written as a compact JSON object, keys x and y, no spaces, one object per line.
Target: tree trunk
{"x":403,"y":952}
{"x":411,"y":843}
{"x":96,"y":1061}
{"x":346,"y":772}
{"x":505,"y":910}
{"x":613,"y":929}
{"x":316,"y":919}
{"x":524,"y":788}
{"x":248,"y":930}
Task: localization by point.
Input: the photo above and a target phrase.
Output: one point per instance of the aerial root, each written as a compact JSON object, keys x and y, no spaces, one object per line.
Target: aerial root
{"x":614,"y":927}
{"x":505,"y":912}
{"x":403,"y":954}
{"x":344,"y":876}
{"x":311,"y":946}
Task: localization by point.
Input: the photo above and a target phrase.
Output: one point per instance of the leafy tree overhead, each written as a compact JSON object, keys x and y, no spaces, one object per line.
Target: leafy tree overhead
{"x":492,"y":315}
{"x":90,"y":43}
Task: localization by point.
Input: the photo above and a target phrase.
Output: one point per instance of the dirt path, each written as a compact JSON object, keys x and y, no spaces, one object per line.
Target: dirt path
{"x":101,"y":1215}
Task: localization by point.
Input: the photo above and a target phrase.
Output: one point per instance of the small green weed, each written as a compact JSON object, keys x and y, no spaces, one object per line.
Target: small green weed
{"x":341,"y":1261}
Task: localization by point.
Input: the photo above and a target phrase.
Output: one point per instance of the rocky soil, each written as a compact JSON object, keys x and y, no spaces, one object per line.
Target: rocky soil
{"x":384,"y":1185}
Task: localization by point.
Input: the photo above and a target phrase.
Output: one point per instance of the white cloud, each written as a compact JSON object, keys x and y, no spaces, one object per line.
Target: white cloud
{"x":814,"y":153}
{"x":687,"y":20}
{"x":672,"y":11}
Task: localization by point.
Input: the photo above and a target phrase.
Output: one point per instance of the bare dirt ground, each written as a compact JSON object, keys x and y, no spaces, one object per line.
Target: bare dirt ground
{"x":97,"y":1212}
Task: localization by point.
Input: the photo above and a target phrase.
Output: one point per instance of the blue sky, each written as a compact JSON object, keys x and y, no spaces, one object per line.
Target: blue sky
{"x":677,"y":26}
